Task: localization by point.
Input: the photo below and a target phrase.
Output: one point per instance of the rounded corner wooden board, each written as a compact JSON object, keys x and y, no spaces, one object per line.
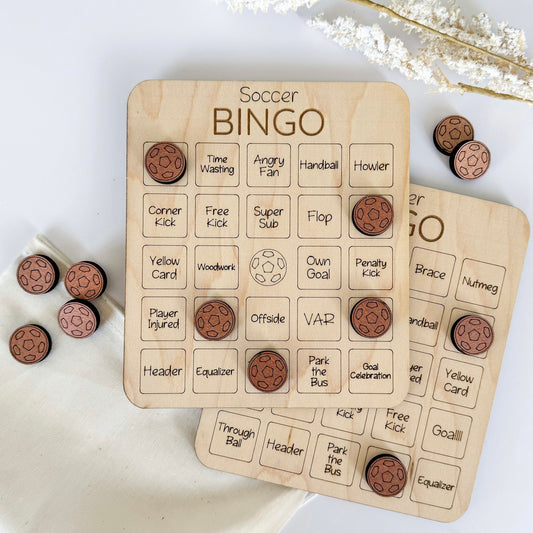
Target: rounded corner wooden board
{"x":466,"y":258}
{"x":261,"y":219}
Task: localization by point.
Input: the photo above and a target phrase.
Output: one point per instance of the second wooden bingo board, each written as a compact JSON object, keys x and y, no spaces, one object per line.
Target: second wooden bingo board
{"x":260,"y":222}
{"x":466,"y":259}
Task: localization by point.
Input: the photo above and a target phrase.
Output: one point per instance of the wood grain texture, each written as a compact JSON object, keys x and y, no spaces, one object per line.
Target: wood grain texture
{"x":261,"y":219}
{"x":466,"y":258}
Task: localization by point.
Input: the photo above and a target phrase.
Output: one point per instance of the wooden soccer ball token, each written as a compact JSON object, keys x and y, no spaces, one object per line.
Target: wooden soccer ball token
{"x":85,"y":280}
{"x":372,"y":215}
{"x":371,"y":317}
{"x":470,"y":160}
{"x":165,"y":162}
{"x":386,"y":475}
{"x":37,"y":274}
{"x":214,"y":320}
{"x":452,"y":131}
{"x":472,"y":335}
{"x":30,"y":344}
{"x":267,"y":371}
{"x":78,"y":319}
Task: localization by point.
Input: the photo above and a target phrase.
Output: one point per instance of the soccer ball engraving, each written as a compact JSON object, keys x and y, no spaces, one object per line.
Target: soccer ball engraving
{"x":386,"y":475}
{"x":371,"y":317}
{"x":85,"y":280}
{"x":471,"y":160}
{"x":78,"y":319}
{"x":372,"y":215}
{"x":29,"y":344}
{"x":37,"y":274}
{"x":268,"y":267}
{"x":165,"y":162}
{"x":472,"y":335}
{"x":452,"y":131}
{"x":214,"y":320}
{"x":267,"y":371}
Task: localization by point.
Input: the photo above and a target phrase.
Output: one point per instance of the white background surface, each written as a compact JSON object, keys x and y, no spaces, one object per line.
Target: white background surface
{"x":67,"y":69}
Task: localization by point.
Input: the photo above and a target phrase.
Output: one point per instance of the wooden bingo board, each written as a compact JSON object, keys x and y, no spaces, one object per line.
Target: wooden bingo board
{"x":466,"y":258}
{"x":262,"y":220}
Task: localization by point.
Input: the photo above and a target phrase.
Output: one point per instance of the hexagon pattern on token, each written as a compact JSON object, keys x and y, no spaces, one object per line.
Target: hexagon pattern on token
{"x":214,"y":320}
{"x":78,"y":319}
{"x":371,"y":317}
{"x":267,"y":371}
{"x":472,"y":335}
{"x":386,"y":475}
{"x":470,"y":161}
{"x":29,"y":344}
{"x":85,"y":280}
{"x":37,"y":274}
{"x":452,"y":131}
{"x":268,"y":267}
{"x":372,"y":215}
{"x":165,"y":162}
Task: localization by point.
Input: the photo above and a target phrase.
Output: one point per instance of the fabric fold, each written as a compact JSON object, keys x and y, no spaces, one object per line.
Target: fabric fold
{"x":76,"y":455}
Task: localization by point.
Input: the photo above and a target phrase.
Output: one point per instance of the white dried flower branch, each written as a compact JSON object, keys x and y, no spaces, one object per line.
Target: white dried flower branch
{"x":496,"y":64}
{"x":280,"y":6}
{"x":446,"y":23}
{"x":379,"y":48}
{"x":492,"y":56}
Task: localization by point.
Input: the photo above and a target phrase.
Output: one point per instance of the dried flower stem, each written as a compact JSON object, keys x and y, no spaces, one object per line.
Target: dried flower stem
{"x":487,"y":92}
{"x":391,"y":13}
{"x":490,"y":55}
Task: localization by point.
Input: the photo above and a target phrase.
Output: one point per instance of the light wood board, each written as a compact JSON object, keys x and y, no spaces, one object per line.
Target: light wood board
{"x":248,"y":147}
{"x":475,"y":250}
